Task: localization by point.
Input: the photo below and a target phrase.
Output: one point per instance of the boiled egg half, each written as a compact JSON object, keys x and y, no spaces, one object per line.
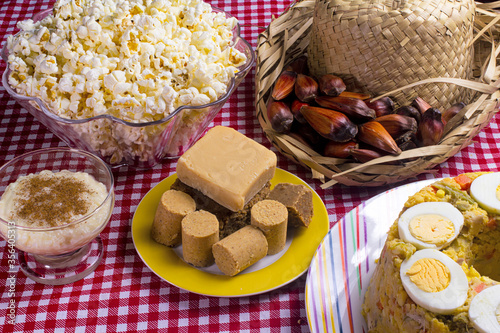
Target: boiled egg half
{"x":434,"y":281}
{"x":484,"y":310}
{"x":430,"y":225}
{"x":485,"y":189}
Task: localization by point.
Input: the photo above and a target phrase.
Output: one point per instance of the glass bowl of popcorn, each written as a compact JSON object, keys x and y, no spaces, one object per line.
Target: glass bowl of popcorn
{"x":133,"y":85}
{"x":54,"y":203}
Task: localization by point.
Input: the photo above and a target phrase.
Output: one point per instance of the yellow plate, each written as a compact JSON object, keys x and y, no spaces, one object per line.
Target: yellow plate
{"x":285,"y":267}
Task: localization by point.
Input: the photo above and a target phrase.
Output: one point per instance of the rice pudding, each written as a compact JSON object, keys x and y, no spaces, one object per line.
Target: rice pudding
{"x":55,"y":212}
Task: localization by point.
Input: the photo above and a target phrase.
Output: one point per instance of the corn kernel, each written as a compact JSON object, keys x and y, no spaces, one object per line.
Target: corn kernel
{"x":440,"y":194}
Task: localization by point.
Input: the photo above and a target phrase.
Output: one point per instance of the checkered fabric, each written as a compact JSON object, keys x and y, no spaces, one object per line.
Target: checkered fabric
{"x":123,"y":295}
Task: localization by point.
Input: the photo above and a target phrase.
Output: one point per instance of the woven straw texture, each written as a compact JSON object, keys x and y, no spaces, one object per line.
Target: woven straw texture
{"x":379,"y":45}
{"x":289,"y":36}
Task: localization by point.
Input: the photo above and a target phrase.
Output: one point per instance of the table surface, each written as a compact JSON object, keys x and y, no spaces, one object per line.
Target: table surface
{"x":123,"y":294}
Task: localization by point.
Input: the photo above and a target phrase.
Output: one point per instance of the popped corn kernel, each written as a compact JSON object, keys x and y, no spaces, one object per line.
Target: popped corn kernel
{"x":137,"y":60}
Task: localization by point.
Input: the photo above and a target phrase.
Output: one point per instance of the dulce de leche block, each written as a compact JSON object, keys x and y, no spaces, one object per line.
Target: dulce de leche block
{"x":227,"y":167}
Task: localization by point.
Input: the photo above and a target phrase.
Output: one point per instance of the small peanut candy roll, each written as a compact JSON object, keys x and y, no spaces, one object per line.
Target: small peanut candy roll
{"x":271,"y":217}
{"x":240,"y":250}
{"x":173,"y":207}
{"x":200,"y":230}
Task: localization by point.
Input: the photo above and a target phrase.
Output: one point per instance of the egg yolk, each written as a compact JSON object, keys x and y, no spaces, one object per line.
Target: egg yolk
{"x":431,"y":228}
{"x":498,"y":192}
{"x":430,"y":275}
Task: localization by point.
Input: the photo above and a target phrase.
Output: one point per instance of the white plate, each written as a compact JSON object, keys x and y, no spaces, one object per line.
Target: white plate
{"x":345,"y":261}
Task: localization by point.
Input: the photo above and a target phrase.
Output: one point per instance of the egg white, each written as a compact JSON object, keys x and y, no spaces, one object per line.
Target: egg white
{"x":482,"y":310}
{"x":444,"y":301}
{"x":483,"y":189}
{"x":440,"y":208}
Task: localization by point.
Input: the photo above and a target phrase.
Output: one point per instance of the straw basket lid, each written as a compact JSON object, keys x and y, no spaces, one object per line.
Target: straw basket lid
{"x":288,"y":37}
{"x":379,"y":45}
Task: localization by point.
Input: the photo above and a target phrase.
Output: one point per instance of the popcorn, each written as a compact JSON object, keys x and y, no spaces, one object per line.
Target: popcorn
{"x":174,"y":40}
{"x":137,"y":60}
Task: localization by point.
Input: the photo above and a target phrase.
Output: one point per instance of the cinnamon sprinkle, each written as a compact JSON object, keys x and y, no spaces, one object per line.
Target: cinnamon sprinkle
{"x":52,"y":200}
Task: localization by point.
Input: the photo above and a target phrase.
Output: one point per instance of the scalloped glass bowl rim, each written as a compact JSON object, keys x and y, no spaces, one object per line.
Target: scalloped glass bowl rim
{"x":230,"y":88}
{"x":97,"y":161}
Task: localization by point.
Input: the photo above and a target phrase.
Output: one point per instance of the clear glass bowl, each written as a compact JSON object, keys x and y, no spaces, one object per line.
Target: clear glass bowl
{"x":68,"y":252}
{"x":140,"y":145}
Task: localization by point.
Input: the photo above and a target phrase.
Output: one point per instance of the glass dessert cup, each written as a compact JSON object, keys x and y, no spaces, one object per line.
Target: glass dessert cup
{"x":64,"y":253}
{"x":142,"y":144}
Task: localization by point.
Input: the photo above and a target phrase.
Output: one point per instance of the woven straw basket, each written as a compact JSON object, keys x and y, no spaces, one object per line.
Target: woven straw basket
{"x":338,"y":37}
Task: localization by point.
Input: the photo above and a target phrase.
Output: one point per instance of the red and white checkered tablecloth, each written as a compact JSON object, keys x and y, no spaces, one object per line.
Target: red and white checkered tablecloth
{"x":123,"y":295}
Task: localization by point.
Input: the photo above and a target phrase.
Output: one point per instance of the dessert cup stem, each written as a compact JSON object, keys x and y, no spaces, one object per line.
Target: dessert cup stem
{"x":64,"y":268}
{"x":63,"y":261}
